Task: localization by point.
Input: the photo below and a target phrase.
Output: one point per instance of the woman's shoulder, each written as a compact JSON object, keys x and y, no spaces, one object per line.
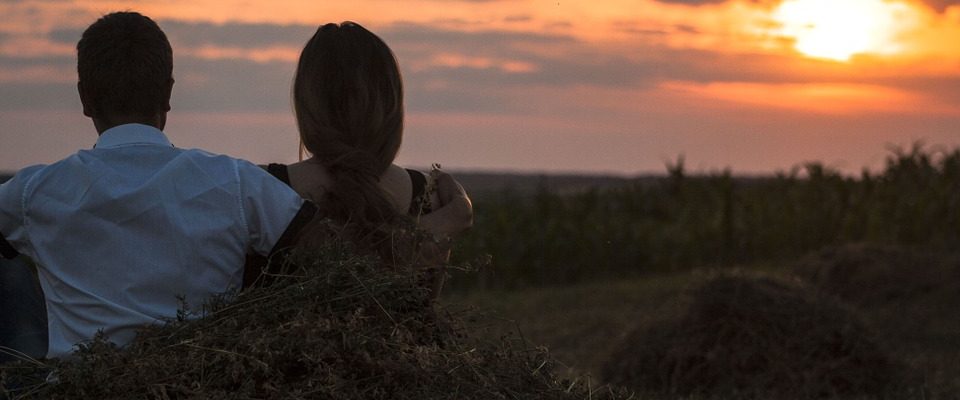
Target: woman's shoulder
{"x":395,"y":182}
{"x":308,"y":179}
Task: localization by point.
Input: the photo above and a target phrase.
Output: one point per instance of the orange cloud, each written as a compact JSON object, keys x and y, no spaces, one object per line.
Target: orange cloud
{"x":454,"y":60}
{"x":34,"y":47}
{"x":260,"y":55}
{"x":825,"y":98}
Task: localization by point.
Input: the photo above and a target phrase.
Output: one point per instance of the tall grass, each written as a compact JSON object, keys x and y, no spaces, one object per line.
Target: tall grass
{"x":682,"y":221}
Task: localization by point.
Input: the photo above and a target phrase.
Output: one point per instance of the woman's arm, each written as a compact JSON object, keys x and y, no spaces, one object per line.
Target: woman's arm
{"x":454,"y":213}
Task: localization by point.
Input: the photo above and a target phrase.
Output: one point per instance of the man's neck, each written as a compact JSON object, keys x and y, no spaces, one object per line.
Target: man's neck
{"x":103,"y":124}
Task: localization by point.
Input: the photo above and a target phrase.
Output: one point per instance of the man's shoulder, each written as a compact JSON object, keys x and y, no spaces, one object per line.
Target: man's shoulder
{"x":207,"y":155}
{"x":211,"y":156}
{"x":26,"y":175}
{"x":242,"y":168}
{"x":210,"y":161}
{"x":30,"y":170}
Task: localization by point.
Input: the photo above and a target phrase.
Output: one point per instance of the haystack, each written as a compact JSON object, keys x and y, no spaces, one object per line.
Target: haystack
{"x":872,"y":275}
{"x":340,"y":326}
{"x":754,"y":337}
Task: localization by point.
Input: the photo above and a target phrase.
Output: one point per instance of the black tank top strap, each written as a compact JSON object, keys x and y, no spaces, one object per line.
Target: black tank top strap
{"x":6,"y":249}
{"x":279,"y":171}
{"x":419,"y":198}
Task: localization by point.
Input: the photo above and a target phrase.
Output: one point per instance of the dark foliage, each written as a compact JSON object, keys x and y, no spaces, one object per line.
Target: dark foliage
{"x":682,"y":221}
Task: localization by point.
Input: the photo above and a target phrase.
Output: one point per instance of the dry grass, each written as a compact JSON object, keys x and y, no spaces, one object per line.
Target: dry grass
{"x":339,"y":326}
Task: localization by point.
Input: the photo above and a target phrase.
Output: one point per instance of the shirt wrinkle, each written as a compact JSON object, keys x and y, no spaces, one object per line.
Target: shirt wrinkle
{"x":243,"y":211}
{"x":23,"y":204}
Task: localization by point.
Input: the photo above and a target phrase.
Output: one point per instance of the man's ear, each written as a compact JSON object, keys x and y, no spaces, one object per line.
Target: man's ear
{"x":88,"y":107}
{"x":169,"y":92}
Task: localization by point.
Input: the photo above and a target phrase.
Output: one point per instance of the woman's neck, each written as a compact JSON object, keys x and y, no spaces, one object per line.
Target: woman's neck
{"x":311,"y":179}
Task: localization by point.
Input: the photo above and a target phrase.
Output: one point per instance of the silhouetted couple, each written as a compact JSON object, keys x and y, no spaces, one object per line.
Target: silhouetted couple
{"x":122,"y":233}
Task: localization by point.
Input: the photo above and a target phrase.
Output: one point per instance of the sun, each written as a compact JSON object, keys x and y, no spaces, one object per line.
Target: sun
{"x":839,"y":29}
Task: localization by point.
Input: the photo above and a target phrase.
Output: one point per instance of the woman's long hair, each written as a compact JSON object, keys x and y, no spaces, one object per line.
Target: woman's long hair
{"x":348,"y":100}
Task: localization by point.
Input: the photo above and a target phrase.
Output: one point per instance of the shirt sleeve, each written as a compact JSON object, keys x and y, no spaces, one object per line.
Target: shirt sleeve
{"x":13,"y":233}
{"x":269,"y":207}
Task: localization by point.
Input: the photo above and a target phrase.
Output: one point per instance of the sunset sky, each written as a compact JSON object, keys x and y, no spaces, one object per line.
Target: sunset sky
{"x":617,"y":86}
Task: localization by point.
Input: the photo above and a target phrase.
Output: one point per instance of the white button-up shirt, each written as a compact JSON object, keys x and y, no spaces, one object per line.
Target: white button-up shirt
{"x":122,"y":232}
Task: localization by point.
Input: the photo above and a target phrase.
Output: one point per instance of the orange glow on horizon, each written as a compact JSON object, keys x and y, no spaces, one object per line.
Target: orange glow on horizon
{"x":823,"y":98}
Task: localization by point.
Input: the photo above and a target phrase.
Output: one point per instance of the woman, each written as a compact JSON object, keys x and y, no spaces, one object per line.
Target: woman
{"x":348,"y":100}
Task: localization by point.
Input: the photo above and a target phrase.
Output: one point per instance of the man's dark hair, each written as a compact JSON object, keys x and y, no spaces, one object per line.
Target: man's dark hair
{"x":125,"y":65}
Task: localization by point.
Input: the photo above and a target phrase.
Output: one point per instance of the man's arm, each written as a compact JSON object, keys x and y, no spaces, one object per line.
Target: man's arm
{"x":274,"y":216}
{"x":13,"y":236}
{"x":257,"y":265}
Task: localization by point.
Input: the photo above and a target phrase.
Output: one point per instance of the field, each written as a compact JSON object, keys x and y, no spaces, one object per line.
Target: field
{"x":803,"y":284}
{"x":577,"y":268}
{"x":547,"y":233}
{"x":584,"y":325}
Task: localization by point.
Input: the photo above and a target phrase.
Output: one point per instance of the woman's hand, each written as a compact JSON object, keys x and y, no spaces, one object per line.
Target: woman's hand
{"x":455,"y":212}
{"x":453,"y":215}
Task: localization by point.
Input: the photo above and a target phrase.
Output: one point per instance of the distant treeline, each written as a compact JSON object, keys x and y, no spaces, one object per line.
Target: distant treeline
{"x":681,"y":221}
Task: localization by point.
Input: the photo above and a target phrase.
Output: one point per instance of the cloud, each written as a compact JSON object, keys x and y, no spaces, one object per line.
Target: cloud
{"x":424,"y":34}
{"x":941,"y":5}
{"x":240,"y":35}
{"x":65,"y":36}
{"x":942,"y":94}
{"x":41,"y":83}
{"x":244,"y":67}
{"x":505,"y":57}
{"x":19,"y":96}
{"x":518,"y":18}
{"x":197,"y":34}
{"x":827,"y":98}
{"x":695,"y":2}
{"x":231,"y":85}
{"x":704,"y":2}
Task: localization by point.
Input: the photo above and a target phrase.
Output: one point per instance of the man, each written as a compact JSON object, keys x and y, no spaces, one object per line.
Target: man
{"x":124,"y":233}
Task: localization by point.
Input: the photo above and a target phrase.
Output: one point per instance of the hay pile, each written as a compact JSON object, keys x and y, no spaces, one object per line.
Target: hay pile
{"x":754,"y":337}
{"x":341,"y":326}
{"x":871,"y":276}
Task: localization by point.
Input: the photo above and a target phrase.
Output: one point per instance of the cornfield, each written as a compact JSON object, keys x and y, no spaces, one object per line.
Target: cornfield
{"x":682,"y":221}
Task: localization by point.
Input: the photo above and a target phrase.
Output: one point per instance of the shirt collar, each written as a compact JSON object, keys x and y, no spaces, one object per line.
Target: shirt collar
{"x":131,"y":134}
